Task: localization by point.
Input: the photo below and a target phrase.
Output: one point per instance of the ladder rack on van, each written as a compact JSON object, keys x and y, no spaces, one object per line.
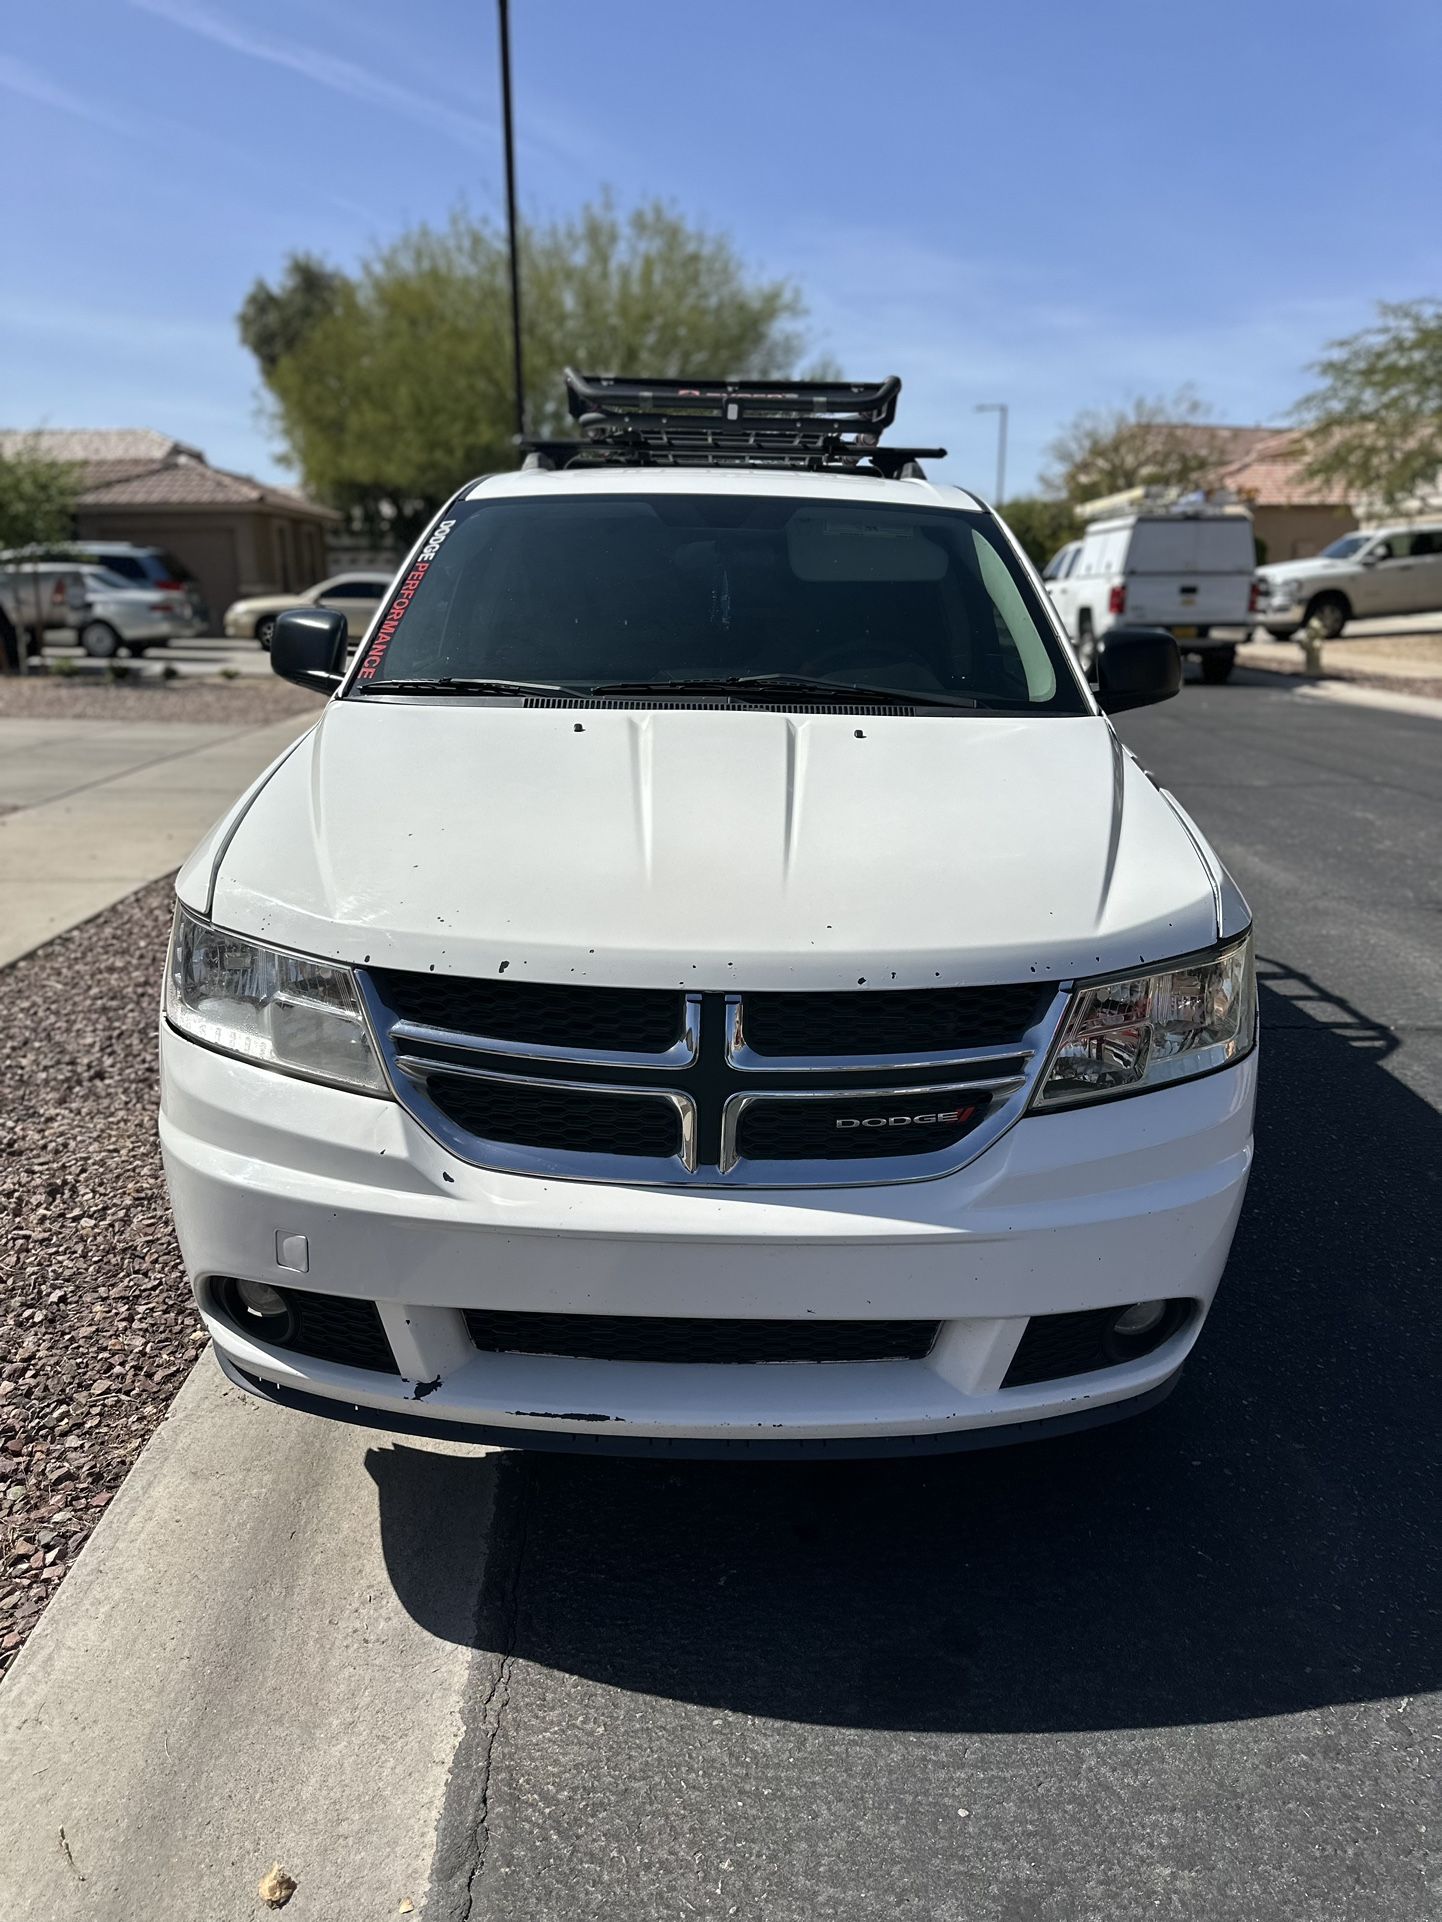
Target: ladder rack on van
{"x":1180,"y":501}
{"x":813,"y":425}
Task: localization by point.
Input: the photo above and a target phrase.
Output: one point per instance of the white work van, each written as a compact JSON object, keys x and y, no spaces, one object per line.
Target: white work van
{"x":1149,"y":558}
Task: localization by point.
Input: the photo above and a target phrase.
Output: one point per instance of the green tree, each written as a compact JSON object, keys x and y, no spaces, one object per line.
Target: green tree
{"x":1150,"y":443}
{"x":391,"y":388}
{"x":273,"y":321}
{"x":37,"y":498}
{"x":1041,"y":525}
{"x":1374,"y":423}
{"x":37,"y":509}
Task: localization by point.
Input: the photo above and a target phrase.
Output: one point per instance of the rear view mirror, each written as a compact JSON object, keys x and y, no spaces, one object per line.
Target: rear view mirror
{"x":309,"y":648}
{"x":1136,"y":666}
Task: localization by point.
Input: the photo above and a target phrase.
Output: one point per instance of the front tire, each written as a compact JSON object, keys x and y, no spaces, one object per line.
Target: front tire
{"x":1217,"y":664}
{"x":1331,"y":612}
{"x":264,"y":628}
{"x":100,"y":640}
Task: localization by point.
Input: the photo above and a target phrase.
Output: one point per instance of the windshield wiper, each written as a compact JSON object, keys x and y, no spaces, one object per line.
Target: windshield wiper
{"x":768,"y":684}
{"x":460,"y":684}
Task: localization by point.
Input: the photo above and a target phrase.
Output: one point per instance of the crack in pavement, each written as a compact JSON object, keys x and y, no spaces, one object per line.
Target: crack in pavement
{"x":463,"y":1829}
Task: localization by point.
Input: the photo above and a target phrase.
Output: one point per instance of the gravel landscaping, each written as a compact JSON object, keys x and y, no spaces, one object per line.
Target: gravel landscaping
{"x":97,"y":1331}
{"x":241,"y":703}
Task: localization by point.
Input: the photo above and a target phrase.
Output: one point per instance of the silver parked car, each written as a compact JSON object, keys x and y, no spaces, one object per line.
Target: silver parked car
{"x":114,"y":613}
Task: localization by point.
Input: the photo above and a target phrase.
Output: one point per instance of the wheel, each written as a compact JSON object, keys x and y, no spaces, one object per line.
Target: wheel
{"x":1217,"y":664}
{"x":100,"y":640}
{"x":1086,"y":642}
{"x":1331,"y":612}
{"x":264,"y":628}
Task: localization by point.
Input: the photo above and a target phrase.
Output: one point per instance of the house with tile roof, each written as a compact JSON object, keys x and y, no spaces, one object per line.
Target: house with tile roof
{"x":1292,"y":515}
{"x":236,"y":535}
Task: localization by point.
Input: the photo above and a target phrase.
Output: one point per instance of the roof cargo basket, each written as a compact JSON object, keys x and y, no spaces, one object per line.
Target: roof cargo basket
{"x":808,"y":424}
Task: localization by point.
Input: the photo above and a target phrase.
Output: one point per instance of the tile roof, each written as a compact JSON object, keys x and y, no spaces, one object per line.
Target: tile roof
{"x":135,"y":446}
{"x":195,"y":484}
{"x":139,"y":467}
{"x":1270,"y":475}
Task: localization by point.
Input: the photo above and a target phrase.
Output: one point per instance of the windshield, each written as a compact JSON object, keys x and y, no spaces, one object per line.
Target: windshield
{"x":1339,"y":550}
{"x":582,"y":591}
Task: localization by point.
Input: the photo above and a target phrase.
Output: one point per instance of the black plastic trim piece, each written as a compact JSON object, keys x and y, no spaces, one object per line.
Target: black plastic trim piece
{"x":686,"y":1448}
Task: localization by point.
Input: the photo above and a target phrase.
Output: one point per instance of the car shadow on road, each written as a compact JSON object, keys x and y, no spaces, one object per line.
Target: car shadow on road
{"x":1267,"y":1542}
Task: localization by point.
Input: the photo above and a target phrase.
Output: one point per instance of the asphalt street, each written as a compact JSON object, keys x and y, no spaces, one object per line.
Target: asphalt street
{"x":1186,"y":1667}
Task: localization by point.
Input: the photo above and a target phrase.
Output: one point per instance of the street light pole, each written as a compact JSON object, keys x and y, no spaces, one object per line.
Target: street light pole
{"x":518,"y":372}
{"x":999,"y":408}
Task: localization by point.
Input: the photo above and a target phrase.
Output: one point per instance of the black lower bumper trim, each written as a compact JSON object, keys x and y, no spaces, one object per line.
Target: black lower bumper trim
{"x":692,"y":1448}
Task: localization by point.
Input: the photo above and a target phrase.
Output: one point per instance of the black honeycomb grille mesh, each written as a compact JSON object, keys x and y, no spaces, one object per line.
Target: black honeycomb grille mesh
{"x":645,"y":1020}
{"x":573,"y":1122}
{"x":893,"y":1022}
{"x":678,"y":1338}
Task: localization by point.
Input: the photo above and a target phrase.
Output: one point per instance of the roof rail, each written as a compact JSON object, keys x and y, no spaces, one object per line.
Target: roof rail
{"x":808,"y":424}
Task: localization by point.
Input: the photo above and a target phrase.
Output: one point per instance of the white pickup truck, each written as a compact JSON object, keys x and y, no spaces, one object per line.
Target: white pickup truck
{"x":712,"y":979}
{"x":1153,"y":558}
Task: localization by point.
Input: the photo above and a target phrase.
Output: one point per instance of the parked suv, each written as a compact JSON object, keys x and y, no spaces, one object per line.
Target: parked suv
{"x":1378,"y":571}
{"x":712,"y":978}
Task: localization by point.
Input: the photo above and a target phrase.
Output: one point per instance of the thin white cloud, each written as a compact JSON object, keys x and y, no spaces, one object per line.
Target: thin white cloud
{"x":322,"y":68}
{"x":18,"y":78}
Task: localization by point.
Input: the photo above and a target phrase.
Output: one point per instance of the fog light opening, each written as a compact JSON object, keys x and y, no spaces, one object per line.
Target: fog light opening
{"x":257,"y":1309}
{"x":1141,"y":1326}
{"x":1139,"y":1320}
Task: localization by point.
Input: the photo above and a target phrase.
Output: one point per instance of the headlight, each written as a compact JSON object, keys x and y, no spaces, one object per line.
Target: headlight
{"x":1288,"y":591}
{"x":1150,"y":1030}
{"x":279,"y":1010}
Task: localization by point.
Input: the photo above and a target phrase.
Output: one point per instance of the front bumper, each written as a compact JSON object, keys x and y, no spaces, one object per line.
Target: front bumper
{"x":1087,"y":1208}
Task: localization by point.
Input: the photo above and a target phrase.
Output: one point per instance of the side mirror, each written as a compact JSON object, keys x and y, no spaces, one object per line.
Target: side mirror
{"x":1134,"y":667}
{"x":308,"y":647}
{"x":1371,"y":557}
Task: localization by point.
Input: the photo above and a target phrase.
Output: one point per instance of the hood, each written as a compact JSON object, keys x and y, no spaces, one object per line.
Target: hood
{"x":710,"y":848}
{"x":1304,"y":569}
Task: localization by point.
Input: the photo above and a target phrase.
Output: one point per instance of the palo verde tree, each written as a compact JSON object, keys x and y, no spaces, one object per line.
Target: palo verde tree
{"x":1374,"y":421}
{"x":390,"y":387}
{"x":1149,"y":443}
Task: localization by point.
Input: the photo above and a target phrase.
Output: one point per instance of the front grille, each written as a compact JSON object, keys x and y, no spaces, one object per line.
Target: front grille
{"x":675,"y":1339}
{"x":587,"y":1122}
{"x":808,"y":1130}
{"x":337,"y":1328}
{"x":1055,"y":1346}
{"x":894,"y":1022}
{"x":617,"y":1078}
{"x":641,"y":1019}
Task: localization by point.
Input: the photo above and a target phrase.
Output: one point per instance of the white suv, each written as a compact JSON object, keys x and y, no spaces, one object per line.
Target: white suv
{"x":713,"y":978}
{"x":1375,"y":572}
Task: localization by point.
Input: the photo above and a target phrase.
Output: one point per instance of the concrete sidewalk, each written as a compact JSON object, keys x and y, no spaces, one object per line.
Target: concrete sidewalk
{"x":92,"y":810}
{"x":230,"y":1676}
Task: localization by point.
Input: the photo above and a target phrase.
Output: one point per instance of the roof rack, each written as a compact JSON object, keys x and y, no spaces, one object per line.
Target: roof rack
{"x":813,"y":425}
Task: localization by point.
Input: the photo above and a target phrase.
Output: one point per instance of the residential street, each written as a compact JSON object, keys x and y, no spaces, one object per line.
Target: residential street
{"x":1186,"y":1668}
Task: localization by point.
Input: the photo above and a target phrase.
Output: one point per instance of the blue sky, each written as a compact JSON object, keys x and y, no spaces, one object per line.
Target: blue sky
{"x":1049,"y":205}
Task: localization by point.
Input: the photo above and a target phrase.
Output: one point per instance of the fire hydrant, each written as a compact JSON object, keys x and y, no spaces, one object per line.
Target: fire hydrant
{"x":1312,"y":638}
